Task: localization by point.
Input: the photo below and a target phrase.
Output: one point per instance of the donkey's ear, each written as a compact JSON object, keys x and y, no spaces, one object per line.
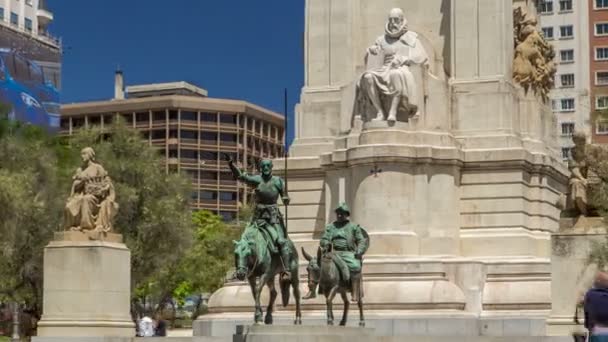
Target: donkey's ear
{"x":306,"y":255}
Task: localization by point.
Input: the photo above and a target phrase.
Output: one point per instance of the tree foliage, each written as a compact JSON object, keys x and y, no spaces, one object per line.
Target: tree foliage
{"x":596,"y":157}
{"x":174,"y":253}
{"x":29,"y":210}
{"x":205,"y":265}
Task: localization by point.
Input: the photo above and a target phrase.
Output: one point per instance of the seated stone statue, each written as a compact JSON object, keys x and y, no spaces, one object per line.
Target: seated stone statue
{"x":91,"y":205}
{"x":391,"y":87}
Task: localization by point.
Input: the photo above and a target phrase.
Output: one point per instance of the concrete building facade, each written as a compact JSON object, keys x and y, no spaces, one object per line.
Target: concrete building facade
{"x":598,"y":71}
{"x":192,"y":131}
{"x":565,"y":24}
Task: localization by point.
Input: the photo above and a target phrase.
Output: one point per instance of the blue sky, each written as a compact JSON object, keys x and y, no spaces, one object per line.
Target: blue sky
{"x":240,"y":49}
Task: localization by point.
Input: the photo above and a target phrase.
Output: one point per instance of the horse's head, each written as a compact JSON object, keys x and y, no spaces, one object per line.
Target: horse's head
{"x":313,"y":270}
{"x":243,"y":253}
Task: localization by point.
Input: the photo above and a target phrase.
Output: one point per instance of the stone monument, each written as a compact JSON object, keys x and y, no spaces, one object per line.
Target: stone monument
{"x":457,"y":180}
{"x":87,"y":268}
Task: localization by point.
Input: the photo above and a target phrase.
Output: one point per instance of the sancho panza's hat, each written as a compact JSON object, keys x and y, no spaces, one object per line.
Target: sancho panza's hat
{"x":343,"y":207}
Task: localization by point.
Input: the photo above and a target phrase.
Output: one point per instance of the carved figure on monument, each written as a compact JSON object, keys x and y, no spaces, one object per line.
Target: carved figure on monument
{"x":533,"y":66}
{"x":264,"y":249}
{"x":578,"y":183}
{"x":91,"y":206}
{"x":338,"y":264}
{"x":390,"y":87}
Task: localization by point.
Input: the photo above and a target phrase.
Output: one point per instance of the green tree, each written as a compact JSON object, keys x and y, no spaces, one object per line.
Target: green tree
{"x":29,"y":210}
{"x":596,"y":157}
{"x":204,"y":268}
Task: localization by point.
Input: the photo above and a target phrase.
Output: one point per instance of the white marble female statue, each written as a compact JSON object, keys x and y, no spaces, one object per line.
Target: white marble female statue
{"x":393,"y":82}
{"x":91,"y":205}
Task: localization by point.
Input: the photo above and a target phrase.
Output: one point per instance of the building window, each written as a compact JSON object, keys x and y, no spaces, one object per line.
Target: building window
{"x":567,"y":128}
{"x":601,"y":4}
{"x":566,"y":152}
{"x":548,"y":32}
{"x":601,"y":127}
{"x":172,"y":115}
{"x":601,"y":77}
{"x":601,"y":29}
{"x":2,"y":13}
{"x":192,"y":135}
{"x":566,"y":56}
{"x":601,"y":102}
{"x":567,"y":105}
{"x":566,"y":32}
{"x":188,"y":116}
{"x":565,"y":5}
{"x":14,"y":18}
{"x":567,"y":80}
{"x":546,"y":6}
{"x":209,"y":117}
{"x":210,"y":137}
{"x":601,"y":53}
{"x":208,"y":155}
{"x":227,"y":196}
{"x":189,"y":154}
{"x":228,"y":118}
{"x":208,"y":195}
{"x":228,"y":137}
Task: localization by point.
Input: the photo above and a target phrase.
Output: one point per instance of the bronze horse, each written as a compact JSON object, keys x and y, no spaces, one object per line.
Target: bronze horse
{"x":253,"y":260}
{"x":326,"y":276}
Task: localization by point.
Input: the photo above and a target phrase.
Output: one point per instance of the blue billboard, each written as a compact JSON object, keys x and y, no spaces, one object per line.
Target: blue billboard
{"x":24,"y":90}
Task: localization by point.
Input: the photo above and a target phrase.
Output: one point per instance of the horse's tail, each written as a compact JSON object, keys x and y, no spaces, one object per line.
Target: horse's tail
{"x":284,"y":286}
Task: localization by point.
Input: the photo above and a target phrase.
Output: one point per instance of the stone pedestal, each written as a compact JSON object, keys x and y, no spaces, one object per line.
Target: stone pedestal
{"x":320,"y":333}
{"x":87,"y":287}
{"x":571,"y":276}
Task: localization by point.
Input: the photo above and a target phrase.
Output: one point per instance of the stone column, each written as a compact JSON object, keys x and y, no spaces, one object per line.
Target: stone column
{"x":87,"y":288}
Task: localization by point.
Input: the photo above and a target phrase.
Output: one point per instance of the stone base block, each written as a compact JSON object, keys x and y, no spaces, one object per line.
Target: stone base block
{"x":86,"y":328}
{"x":87,"y":288}
{"x":387,"y":325}
{"x":81,"y":339}
{"x":320,"y":333}
{"x":132,"y":339}
{"x":563,"y":326}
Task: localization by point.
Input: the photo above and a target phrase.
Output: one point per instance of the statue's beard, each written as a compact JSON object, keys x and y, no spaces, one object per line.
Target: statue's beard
{"x":395,"y":31}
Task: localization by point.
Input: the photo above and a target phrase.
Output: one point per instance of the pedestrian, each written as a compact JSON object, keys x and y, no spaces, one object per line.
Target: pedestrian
{"x":596,"y":309}
{"x":161,"y":326}
{"x":146,"y":327}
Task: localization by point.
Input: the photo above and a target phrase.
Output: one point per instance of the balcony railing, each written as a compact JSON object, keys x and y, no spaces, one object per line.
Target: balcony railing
{"x":42,"y":35}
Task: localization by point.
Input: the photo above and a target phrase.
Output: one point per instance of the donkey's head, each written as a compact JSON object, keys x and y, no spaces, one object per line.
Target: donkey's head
{"x":313,"y":271}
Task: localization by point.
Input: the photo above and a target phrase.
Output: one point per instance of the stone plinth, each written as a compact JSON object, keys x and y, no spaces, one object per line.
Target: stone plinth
{"x":86,"y":288}
{"x":570,"y":274}
{"x":320,"y":333}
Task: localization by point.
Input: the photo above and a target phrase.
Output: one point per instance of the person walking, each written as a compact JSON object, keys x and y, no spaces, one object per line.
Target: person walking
{"x":596,"y":309}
